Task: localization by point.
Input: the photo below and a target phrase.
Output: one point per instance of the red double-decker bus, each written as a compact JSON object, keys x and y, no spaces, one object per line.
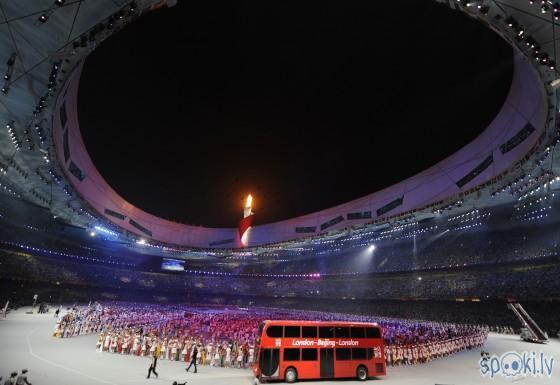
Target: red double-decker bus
{"x":292,"y":350}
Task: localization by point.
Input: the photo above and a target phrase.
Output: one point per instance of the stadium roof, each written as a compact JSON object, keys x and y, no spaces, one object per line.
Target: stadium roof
{"x":43,"y":159}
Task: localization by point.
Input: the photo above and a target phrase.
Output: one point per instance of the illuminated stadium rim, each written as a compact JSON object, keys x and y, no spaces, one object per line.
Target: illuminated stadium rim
{"x":517,"y":129}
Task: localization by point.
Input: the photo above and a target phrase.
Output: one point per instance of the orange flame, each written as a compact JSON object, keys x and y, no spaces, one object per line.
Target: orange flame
{"x":249,"y":201}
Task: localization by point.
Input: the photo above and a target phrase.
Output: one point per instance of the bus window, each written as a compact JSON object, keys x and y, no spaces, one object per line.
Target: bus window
{"x":359,"y":353}
{"x":274,"y":331}
{"x":370,"y":354}
{"x":342,"y":354}
{"x":341,"y":332}
{"x":373,"y":333}
{"x":356,"y":332}
{"x":309,"y":331}
{"x":326,"y":332}
{"x":291,"y":354}
{"x":291,"y":331}
{"x":309,"y":354}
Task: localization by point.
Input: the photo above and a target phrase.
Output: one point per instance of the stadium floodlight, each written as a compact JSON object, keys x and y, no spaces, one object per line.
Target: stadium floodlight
{"x":371,"y":248}
{"x":92,"y":234}
{"x":141,"y":241}
{"x":105,"y":231}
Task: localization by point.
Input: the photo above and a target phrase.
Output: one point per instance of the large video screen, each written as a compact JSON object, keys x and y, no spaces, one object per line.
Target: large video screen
{"x":172,"y":264}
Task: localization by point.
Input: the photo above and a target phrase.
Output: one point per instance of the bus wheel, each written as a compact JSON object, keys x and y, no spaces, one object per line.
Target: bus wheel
{"x":290,"y":376}
{"x":361,"y":373}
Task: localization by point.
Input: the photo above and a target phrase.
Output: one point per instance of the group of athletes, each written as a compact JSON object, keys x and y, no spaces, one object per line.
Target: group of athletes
{"x":233,"y":353}
{"x":421,"y":353}
{"x":228,"y":337}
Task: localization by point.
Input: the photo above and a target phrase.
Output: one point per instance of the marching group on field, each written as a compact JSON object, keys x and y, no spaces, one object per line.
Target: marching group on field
{"x":228,"y":337}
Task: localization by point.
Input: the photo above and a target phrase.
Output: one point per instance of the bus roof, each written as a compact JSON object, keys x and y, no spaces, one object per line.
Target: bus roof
{"x":319,"y":323}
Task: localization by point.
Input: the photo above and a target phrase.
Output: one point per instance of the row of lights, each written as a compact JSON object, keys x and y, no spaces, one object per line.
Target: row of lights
{"x":414,"y":233}
{"x":30,"y":144}
{"x":474,"y":217}
{"x":520,"y":35}
{"x":450,"y":206}
{"x":55,"y":176}
{"x":9,"y":190}
{"x":544,"y":176}
{"x":482,"y":9}
{"x":534,"y":218}
{"x":546,"y":6}
{"x":87,"y":214}
{"x":537,"y":189}
{"x":15,"y":140}
{"x":8,"y":74}
{"x":535,"y":202}
{"x":52,"y":77}
{"x":39,"y":132}
{"x":463,"y":216}
{"x":335,"y":250}
{"x":545,"y":155}
{"x":45,"y":15}
{"x":57,"y":179}
{"x":401,"y":227}
{"x":223,"y":273}
{"x":42,"y":104}
{"x":509,"y":186}
{"x":534,"y":213}
{"x":83,"y":40}
{"x":466,"y":227}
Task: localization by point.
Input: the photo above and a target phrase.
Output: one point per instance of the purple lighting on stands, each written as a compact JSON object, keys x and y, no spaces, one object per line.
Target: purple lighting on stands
{"x":51,"y":252}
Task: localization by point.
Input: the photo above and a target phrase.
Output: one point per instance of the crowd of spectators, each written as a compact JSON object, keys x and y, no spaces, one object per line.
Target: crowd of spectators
{"x":436,"y":249}
{"x":521,"y":280}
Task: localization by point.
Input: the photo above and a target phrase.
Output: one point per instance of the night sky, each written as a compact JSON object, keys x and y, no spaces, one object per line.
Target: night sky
{"x":304,"y":104}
